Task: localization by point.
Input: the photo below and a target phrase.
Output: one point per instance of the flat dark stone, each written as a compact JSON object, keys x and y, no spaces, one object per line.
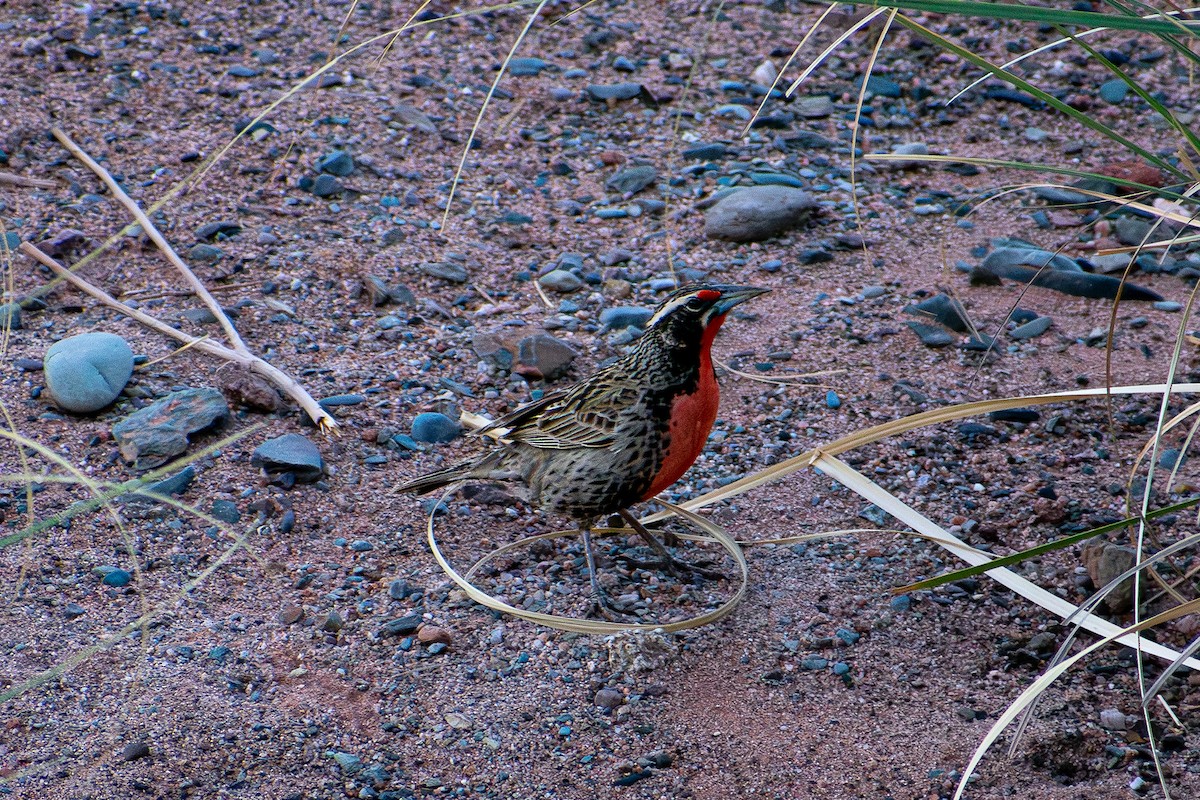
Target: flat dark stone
{"x":1078,"y":284}
{"x":154,"y":435}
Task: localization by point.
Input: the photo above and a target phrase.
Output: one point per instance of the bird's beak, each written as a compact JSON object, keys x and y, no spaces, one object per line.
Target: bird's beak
{"x":732,"y":295}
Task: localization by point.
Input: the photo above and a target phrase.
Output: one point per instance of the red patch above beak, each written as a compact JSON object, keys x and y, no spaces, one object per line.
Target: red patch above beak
{"x":708,"y":295}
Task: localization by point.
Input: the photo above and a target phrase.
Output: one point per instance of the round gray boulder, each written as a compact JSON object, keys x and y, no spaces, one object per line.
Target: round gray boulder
{"x":87,"y":372}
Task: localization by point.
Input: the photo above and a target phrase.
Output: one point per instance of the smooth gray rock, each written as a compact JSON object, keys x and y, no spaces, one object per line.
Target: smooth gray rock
{"x":1029,"y":257}
{"x":1077,"y":284}
{"x":758,"y":213}
{"x":434,"y":427}
{"x":559,"y":280}
{"x":631,"y":180}
{"x":942,"y":309}
{"x":290,"y":453}
{"x":543,"y":356}
{"x":87,"y":372}
{"x":1031,"y":329}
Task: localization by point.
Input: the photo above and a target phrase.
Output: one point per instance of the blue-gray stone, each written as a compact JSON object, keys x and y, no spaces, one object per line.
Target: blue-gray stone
{"x":611,"y":213}
{"x":1114,"y":91}
{"x":631,"y":180}
{"x":623,"y":64}
{"x":758,"y":213}
{"x":881,"y":86}
{"x":623,"y":317}
{"x":930,"y":335}
{"x":705,"y":152}
{"x":522,"y":67}
{"x":10,"y":316}
{"x":153,"y":435}
{"x":87,"y":372}
{"x":1168,"y":305}
{"x":543,"y":356}
{"x":348,"y":762}
{"x":943,"y":309}
{"x":1021,"y":256}
{"x":290,"y":453}
{"x":832,"y":400}
{"x":175,"y":484}
{"x":226,"y":511}
{"x":559,"y":280}
{"x":1031,"y":329}
{"x":114,"y":576}
{"x":338,"y":162}
{"x":614,"y":91}
{"x":326,"y":185}
{"x":361,"y":546}
{"x":434,"y":427}
{"x":205,"y":252}
{"x":901,"y":603}
{"x":446,"y":270}
{"x":776,"y":179}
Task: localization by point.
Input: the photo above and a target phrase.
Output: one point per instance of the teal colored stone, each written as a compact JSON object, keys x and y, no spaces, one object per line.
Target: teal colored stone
{"x":87,"y":372}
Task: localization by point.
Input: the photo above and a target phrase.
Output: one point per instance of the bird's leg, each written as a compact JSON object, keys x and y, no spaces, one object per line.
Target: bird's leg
{"x":667,"y":561}
{"x":600,"y":604}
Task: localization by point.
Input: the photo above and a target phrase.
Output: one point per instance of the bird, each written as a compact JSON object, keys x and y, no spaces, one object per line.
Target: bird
{"x":620,"y":436}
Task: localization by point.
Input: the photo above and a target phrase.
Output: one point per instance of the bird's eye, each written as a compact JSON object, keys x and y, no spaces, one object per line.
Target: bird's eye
{"x":696,"y":304}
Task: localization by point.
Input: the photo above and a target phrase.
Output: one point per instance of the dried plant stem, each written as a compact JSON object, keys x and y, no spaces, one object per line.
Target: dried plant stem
{"x":13,"y":179}
{"x":235,"y":340}
{"x":275,"y":375}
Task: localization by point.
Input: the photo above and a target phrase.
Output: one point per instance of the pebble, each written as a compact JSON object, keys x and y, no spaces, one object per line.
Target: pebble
{"x":1113,"y":91}
{"x":434,"y":427}
{"x":942,"y":309}
{"x":759,"y":212}
{"x":622,"y":317}
{"x":291,"y":614}
{"x":1031,"y":329}
{"x":212,"y":230}
{"x":609,"y":698}
{"x":1168,"y":305}
{"x":432,"y":634}
{"x":705,"y":152}
{"x":326,"y":185}
{"x":523,"y":67}
{"x":86,"y":373}
{"x":1106,"y":561}
{"x":446,"y":270}
{"x":631,"y":180}
{"x":135,"y":750}
{"x":114,"y":576}
{"x":614,"y":91}
{"x":900,"y":603}
{"x":226,"y":511}
{"x":292,"y":454}
{"x":559,"y":280}
{"x":930,"y":335}
{"x":1077,"y":284}
{"x":1029,"y":257}
{"x":832,"y":400}
{"x":154,"y":435}
{"x":10,"y":316}
{"x":338,"y":163}
{"x":1113,"y":719}
{"x":349,"y":763}
{"x":1132,"y":231}
{"x":543,"y":357}
{"x":401,"y":626}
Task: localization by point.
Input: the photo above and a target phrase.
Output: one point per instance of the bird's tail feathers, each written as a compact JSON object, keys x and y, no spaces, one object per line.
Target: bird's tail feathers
{"x":482,"y":467}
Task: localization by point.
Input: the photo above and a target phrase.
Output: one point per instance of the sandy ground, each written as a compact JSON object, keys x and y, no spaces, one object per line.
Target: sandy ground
{"x":819,"y":685}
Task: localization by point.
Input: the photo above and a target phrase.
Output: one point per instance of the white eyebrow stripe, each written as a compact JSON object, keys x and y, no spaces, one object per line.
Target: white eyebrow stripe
{"x":668,"y":308}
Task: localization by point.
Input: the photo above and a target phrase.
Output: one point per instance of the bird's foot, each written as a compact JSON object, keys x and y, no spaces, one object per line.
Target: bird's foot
{"x":601,"y":608}
{"x":675,"y":567}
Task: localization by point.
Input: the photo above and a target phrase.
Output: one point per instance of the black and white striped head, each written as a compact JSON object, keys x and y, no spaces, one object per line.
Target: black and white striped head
{"x":697,"y":306}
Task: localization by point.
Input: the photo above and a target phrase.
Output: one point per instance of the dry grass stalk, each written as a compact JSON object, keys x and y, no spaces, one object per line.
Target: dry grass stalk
{"x":12,"y":179}
{"x":276,"y":376}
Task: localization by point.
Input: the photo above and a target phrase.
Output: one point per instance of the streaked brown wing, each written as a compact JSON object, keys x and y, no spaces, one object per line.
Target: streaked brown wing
{"x":584,"y":416}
